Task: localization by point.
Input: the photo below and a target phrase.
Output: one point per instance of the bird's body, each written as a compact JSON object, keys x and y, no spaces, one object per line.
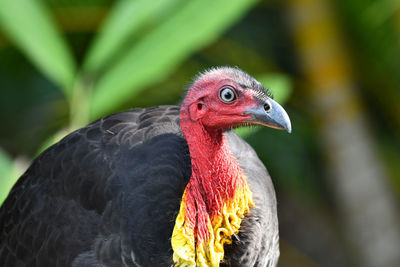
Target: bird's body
{"x":109,"y":194}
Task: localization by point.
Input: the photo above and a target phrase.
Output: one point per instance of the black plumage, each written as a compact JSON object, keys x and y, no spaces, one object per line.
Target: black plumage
{"x":108,"y":195}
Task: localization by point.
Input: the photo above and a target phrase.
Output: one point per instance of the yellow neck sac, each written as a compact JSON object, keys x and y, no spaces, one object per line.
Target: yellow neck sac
{"x":191,"y":247}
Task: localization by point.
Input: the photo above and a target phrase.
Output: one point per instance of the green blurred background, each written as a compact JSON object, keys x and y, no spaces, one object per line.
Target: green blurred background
{"x":334,"y":65}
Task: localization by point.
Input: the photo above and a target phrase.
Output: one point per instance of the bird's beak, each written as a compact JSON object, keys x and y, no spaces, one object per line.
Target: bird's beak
{"x":270,"y":114}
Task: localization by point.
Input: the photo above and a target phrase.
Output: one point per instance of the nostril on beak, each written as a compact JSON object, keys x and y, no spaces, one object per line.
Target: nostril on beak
{"x":267,"y":107}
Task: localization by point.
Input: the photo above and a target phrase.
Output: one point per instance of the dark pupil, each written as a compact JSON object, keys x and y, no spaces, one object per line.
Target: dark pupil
{"x":227,"y":95}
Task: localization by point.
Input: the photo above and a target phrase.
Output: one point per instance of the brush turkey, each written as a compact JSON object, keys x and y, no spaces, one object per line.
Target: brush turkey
{"x":160,"y":186}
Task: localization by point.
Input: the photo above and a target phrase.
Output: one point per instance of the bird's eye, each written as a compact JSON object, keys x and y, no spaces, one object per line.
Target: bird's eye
{"x":227,"y":95}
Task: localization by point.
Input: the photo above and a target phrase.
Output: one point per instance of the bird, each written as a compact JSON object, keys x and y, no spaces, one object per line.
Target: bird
{"x":159,"y":186}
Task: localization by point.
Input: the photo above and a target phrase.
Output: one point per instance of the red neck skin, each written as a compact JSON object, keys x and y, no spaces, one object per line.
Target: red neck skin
{"x":215,"y":173}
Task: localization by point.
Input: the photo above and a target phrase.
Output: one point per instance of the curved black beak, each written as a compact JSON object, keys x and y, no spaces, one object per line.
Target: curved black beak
{"x":270,"y":114}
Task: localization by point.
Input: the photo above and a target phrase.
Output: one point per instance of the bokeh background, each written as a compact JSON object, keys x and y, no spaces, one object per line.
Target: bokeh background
{"x":334,"y":65}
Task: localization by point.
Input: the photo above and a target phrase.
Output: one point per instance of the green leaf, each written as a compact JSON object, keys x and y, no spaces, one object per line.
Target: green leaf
{"x":192,"y":27}
{"x":29,"y":25}
{"x":7,"y":175}
{"x":124,"y":21}
{"x":375,"y":14}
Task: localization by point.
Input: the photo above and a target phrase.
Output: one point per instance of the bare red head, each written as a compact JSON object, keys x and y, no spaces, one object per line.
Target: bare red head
{"x":222,"y":98}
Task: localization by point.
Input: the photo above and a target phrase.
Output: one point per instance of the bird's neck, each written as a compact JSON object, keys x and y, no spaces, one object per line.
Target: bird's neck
{"x":215,"y":171}
{"x":215,"y":199}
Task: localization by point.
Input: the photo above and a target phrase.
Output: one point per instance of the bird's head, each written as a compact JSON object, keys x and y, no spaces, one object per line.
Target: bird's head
{"x":224,"y":98}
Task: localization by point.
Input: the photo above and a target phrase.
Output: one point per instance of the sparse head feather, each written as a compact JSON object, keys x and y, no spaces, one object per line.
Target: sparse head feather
{"x":239,"y":76}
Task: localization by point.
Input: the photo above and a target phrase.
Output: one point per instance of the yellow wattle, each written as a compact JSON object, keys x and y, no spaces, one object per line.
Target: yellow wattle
{"x":221,"y":225}
{"x":182,"y":239}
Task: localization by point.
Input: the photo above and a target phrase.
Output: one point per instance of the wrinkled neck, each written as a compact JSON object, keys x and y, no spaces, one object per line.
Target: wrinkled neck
{"x":215,"y":171}
{"x":214,"y":202}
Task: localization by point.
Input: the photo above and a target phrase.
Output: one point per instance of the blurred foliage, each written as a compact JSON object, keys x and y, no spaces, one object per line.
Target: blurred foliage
{"x":64,"y":63}
{"x":34,"y":32}
{"x":373,"y":35}
{"x":7,"y":175}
